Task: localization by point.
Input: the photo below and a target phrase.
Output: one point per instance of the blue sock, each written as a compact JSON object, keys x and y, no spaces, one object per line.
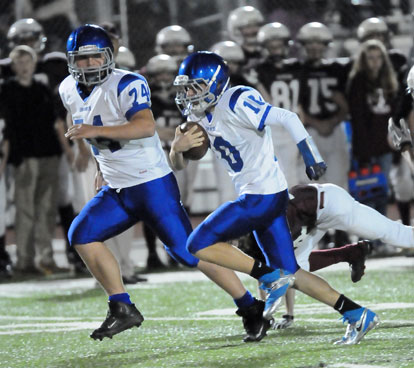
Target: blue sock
{"x":123,"y":297}
{"x":245,"y":301}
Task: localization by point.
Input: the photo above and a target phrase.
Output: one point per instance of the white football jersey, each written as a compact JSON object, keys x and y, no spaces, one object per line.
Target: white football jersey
{"x":123,"y":163}
{"x":241,"y":140}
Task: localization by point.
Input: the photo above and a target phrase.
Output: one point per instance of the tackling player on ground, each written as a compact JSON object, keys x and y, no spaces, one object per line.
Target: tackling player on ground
{"x":316,"y":208}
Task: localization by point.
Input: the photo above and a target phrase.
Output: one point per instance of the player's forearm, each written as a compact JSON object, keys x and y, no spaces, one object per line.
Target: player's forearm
{"x":177,"y":160}
{"x":130,"y":130}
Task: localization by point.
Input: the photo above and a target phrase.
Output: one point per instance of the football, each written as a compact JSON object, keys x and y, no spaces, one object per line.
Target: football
{"x":195,"y":153}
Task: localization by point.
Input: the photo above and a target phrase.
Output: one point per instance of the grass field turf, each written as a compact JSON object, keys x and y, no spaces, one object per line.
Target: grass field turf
{"x":192,"y":324}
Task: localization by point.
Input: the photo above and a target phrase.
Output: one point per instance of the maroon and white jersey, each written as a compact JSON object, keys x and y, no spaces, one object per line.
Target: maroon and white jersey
{"x":317,"y":208}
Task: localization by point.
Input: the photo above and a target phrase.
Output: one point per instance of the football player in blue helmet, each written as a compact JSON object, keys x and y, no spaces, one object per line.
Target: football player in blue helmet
{"x":207,"y":75}
{"x":237,"y":121}
{"x":87,"y":46}
{"x":111,"y":108}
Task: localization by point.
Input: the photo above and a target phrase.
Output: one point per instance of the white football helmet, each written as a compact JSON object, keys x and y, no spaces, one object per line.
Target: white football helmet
{"x":171,"y":36}
{"x":275,"y":40}
{"x":27,"y":31}
{"x":160,"y":64}
{"x":314,"y":31}
{"x":125,"y":59}
{"x":161,"y":71}
{"x":273,"y":31}
{"x":240,"y":18}
{"x":372,"y":27}
{"x":229,"y":51}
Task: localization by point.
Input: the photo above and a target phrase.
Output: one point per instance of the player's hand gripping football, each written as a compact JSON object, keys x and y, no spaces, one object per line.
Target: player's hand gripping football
{"x":184,"y":141}
{"x":315,"y":171}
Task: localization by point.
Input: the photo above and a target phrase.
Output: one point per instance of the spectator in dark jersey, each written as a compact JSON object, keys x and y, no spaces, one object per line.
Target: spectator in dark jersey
{"x":243,"y":24}
{"x":400,"y":179}
{"x":371,"y":93}
{"x":51,"y":69}
{"x":322,"y":103}
{"x":376,"y":29}
{"x":35,"y":152}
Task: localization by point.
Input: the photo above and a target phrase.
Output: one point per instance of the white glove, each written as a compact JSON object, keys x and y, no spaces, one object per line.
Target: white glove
{"x":400,"y":137}
{"x":286,"y":322}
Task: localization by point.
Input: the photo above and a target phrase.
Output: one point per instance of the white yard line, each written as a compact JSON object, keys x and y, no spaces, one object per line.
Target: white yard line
{"x":25,"y":328}
{"x":64,"y":324}
{"x":37,"y":318}
{"x":37,"y":324}
{"x":23,"y":289}
{"x":301,"y":309}
{"x":219,"y":314}
{"x":352,"y":365}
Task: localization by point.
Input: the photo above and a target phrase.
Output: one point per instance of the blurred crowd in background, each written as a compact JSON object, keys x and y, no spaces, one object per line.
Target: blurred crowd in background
{"x":341,"y":65}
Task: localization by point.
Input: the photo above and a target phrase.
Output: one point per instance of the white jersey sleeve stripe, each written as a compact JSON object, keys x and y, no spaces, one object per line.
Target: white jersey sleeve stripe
{"x":235,"y":96}
{"x":127,"y":79}
{"x":135,"y":109}
{"x":134,"y":94}
{"x":250,"y":106}
{"x":264,"y":117}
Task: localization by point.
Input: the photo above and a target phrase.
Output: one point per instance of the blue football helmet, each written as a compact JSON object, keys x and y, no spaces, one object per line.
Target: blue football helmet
{"x":90,"y":40}
{"x":207,"y":76}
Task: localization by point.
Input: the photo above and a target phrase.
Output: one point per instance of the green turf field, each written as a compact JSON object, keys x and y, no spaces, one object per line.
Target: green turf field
{"x":192,"y":324}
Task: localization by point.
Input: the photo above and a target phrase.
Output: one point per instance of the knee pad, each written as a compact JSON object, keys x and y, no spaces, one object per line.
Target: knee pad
{"x":198,"y":240}
{"x":183,"y":257}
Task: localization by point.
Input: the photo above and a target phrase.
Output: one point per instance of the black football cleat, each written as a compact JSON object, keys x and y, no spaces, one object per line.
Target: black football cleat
{"x":120,"y":317}
{"x":255,"y":325}
{"x":358,"y":265}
